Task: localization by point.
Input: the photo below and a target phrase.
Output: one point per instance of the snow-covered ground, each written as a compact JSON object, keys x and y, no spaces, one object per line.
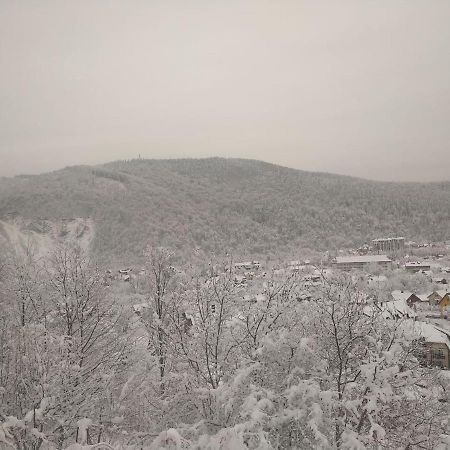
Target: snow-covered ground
{"x":41,"y":236}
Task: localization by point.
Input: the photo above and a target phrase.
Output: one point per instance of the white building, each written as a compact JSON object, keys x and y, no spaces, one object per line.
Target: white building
{"x":359,"y":262}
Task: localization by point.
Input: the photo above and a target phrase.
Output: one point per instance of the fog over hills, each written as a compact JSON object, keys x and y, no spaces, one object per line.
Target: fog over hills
{"x":219,"y":205}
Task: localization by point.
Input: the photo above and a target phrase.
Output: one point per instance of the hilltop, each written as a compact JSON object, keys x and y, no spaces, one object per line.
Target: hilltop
{"x":224,"y":205}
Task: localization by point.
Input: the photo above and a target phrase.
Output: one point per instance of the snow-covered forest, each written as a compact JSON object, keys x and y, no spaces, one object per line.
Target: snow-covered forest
{"x":220,"y":205}
{"x":191,"y":359}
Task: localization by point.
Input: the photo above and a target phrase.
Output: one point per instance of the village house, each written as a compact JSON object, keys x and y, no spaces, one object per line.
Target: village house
{"x":299,"y":263}
{"x":240,"y":280}
{"x":303,"y":296}
{"x":438,"y":354}
{"x":363,"y":250}
{"x":444,"y":303}
{"x":439,"y":280}
{"x":435,"y":297}
{"x":254,"y":298}
{"x":417,"y":266}
{"x":125,"y":274}
{"x":313,"y":278}
{"x":408,"y":297}
{"x":436,"y":343}
{"x":247,"y":265}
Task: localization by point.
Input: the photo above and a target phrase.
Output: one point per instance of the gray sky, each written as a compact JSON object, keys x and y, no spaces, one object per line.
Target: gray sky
{"x":353,"y":87}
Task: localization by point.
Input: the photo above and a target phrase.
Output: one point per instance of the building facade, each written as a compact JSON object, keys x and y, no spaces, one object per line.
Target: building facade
{"x":417,"y":266}
{"x":388,"y":245}
{"x":438,"y":355}
{"x":360,"y":262}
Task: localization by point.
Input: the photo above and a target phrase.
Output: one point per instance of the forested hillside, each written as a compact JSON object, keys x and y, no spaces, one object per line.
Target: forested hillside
{"x":218,"y":205}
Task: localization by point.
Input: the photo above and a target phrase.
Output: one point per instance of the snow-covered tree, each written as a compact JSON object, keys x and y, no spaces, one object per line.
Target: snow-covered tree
{"x":58,"y":364}
{"x":330,"y":373}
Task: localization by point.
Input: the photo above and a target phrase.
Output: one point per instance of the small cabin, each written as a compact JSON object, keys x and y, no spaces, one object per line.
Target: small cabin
{"x":440,"y":280}
{"x":444,"y":303}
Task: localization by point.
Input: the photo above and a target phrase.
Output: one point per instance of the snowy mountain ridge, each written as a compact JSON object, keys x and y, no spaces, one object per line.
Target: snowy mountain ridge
{"x":218,"y":205}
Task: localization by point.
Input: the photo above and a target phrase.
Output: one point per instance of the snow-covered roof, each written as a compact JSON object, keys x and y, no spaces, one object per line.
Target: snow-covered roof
{"x":362,"y":259}
{"x":439,"y":280}
{"x":417,"y":264}
{"x":429,"y":332}
{"x":401,"y":295}
{"x":396,"y":308}
{"x":440,"y":292}
{"x":388,"y":239}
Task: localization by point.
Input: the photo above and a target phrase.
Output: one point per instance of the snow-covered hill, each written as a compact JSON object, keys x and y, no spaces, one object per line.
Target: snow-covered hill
{"x":221,"y":205}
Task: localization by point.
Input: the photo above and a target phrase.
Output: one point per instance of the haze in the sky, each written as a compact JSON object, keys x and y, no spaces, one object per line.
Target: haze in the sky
{"x":352,"y":87}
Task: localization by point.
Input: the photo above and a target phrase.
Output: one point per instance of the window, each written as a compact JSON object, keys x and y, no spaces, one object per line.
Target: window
{"x":213,"y":308}
{"x":437,"y":354}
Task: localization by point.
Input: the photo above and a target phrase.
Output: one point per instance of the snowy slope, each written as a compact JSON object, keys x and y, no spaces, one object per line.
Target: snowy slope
{"x":41,"y":236}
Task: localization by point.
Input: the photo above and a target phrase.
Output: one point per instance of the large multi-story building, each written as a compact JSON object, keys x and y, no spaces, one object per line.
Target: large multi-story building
{"x":388,"y":245}
{"x":359,"y":262}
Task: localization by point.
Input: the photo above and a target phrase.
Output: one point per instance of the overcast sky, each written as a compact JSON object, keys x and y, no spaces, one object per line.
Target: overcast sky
{"x":352,"y":87}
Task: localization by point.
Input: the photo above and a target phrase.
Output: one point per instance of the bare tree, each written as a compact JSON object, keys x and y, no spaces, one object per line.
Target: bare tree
{"x":161,"y":276}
